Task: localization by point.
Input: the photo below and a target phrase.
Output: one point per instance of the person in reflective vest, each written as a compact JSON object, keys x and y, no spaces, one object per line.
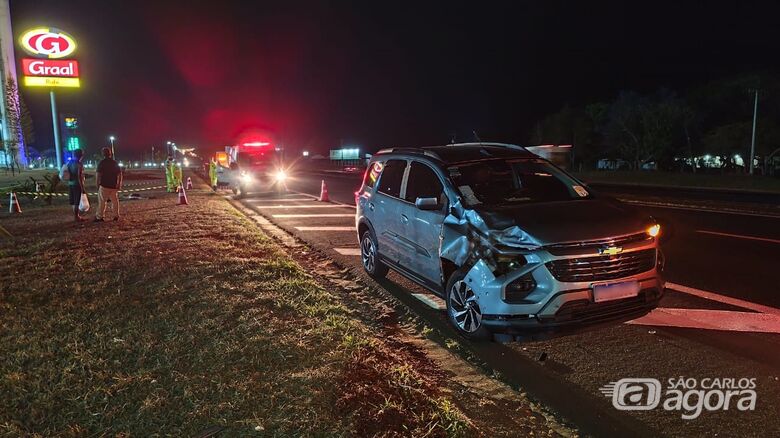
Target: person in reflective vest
{"x":213,"y":174}
{"x":177,"y":175}
{"x":169,"y":175}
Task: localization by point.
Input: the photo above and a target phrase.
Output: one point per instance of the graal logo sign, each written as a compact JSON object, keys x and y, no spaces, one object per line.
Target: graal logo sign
{"x":51,"y":43}
{"x":689,"y":395}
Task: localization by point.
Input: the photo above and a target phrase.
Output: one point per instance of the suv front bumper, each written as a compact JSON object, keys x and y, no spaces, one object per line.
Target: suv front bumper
{"x":556,"y":306}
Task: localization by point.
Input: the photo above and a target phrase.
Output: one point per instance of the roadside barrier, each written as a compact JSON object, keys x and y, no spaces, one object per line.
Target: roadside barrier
{"x":182,"y":196}
{"x":13,"y":206}
{"x":324,"y":193}
{"x":90,"y":194}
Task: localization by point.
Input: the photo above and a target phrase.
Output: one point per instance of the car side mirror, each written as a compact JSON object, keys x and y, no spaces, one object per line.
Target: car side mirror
{"x":427,"y":204}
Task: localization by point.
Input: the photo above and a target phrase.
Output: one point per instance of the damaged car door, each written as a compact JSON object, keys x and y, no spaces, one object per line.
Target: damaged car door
{"x":387,"y":202}
{"x":423,"y":215}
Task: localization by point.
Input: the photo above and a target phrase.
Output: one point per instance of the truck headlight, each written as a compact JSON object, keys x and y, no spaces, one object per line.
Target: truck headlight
{"x":247,"y":178}
{"x":280,"y":175}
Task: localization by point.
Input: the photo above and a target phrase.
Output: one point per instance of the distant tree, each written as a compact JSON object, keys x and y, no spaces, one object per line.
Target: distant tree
{"x":569,"y":125}
{"x":642,"y":129}
{"x":26,"y":122}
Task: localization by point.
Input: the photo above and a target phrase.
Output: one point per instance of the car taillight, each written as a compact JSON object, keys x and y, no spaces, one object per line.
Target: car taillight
{"x":518,"y":290}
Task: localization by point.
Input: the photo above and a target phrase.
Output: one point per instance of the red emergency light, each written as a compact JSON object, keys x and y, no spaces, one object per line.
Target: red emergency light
{"x":257,"y":144}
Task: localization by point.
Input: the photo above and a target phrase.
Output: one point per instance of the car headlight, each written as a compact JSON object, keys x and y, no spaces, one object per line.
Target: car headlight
{"x":281,"y":175}
{"x":654,"y":230}
{"x":246,"y":178}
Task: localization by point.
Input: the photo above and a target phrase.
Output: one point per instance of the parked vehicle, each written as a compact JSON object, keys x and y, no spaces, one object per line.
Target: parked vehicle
{"x":512,"y":243}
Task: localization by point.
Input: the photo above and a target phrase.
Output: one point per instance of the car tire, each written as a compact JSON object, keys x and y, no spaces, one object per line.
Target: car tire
{"x":241,"y":192}
{"x":463,"y":311}
{"x":369,"y":257}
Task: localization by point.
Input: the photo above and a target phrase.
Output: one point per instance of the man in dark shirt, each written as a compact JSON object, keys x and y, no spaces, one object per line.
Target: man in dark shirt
{"x":76,"y":183}
{"x":109,"y":181}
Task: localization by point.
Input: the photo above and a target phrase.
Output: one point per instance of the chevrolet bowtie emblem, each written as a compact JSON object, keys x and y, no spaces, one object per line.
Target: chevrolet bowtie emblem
{"x":610,"y":250}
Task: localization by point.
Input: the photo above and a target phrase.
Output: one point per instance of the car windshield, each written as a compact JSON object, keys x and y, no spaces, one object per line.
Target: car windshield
{"x":255,"y":158}
{"x":500,"y":182}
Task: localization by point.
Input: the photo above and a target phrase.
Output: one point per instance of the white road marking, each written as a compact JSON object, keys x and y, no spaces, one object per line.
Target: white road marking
{"x":254,"y":201}
{"x":348,"y":251}
{"x":739,"y":236}
{"x":325,"y":228}
{"x":321,"y":205}
{"x":727,"y":320}
{"x":317,"y":197}
{"x":432,"y":301}
{"x":712,"y":296}
{"x":697,"y":209}
{"x":314,"y":215}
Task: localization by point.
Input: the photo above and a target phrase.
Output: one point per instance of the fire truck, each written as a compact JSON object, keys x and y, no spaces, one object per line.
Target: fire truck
{"x":252,"y":166}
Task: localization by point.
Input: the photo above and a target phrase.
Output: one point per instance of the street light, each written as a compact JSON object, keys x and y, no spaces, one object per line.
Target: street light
{"x":112,"y":138}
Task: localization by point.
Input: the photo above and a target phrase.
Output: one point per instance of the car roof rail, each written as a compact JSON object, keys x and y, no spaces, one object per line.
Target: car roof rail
{"x":408,"y":150}
{"x":487,"y":143}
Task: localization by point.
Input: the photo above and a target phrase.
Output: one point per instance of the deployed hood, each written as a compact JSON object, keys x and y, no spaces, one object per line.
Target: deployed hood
{"x":565,"y":221}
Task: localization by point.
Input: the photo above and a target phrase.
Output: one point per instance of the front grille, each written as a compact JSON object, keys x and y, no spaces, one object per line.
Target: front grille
{"x":608,"y":267}
{"x":593,"y":245}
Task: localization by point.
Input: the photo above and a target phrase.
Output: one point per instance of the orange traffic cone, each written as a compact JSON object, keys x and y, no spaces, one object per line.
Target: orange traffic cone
{"x":13,"y":206}
{"x":189,"y":183}
{"x":324,"y":193}
{"x":182,"y":196}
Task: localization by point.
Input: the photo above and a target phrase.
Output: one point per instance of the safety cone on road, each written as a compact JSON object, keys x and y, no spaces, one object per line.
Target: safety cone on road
{"x":189,"y":183}
{"x":182,"y":196}
{"x":324,"y":193}
{"x":13,"y":206}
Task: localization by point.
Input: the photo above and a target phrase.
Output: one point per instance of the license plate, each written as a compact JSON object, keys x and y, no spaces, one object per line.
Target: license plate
{"x":615,"y":291}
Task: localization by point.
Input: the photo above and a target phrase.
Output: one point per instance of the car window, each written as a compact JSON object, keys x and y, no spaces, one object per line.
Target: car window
{"x":392,"y":174}
{"x":423,"y":183}
{"x":500,"y":183}
{"x":372,"y":174}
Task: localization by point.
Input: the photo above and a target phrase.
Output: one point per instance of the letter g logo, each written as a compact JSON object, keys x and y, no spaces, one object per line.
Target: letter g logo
{"x":634,"y":394}
{"x":51,"y":43}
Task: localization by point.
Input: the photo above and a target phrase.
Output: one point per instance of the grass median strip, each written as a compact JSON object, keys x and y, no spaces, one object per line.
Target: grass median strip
{"x":179,"y":319}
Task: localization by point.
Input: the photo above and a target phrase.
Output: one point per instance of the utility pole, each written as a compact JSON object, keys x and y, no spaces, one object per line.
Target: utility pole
{"x":753,"y":140}
{"x":55,"y":119}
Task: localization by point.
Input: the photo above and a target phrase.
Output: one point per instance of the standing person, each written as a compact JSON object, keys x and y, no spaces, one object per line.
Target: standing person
{"x":76,"y":183}
{"x":177,"y":176}
{"x":169,"y":174}
{"x":213,"y":173}
{"x":109,"y":181}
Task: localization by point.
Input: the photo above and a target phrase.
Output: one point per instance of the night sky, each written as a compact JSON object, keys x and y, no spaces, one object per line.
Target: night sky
{"x":373,"y":73}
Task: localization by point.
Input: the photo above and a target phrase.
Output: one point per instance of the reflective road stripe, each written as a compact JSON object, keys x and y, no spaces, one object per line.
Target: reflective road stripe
{"x":315,"y":215}
{"x":348,"y":251}
{"x":325,"y":228}
{"x":739,"y":236}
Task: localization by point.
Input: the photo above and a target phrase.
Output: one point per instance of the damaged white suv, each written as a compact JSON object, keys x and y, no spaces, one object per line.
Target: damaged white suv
{"x":512,"y":243}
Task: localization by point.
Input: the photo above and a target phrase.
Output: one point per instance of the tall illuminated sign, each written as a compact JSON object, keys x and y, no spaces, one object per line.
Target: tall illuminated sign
{"x":50,"y":68}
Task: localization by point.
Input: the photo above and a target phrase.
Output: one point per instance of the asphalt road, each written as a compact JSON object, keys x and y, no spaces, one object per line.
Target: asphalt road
{"x":719,"y":316}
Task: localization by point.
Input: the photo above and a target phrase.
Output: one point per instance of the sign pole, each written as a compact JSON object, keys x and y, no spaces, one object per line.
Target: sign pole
{"x":56,"y":126}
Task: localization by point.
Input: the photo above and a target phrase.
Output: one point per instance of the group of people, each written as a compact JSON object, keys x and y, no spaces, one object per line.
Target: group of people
{"x":173,"y":175}
{"x":108,"y":181}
